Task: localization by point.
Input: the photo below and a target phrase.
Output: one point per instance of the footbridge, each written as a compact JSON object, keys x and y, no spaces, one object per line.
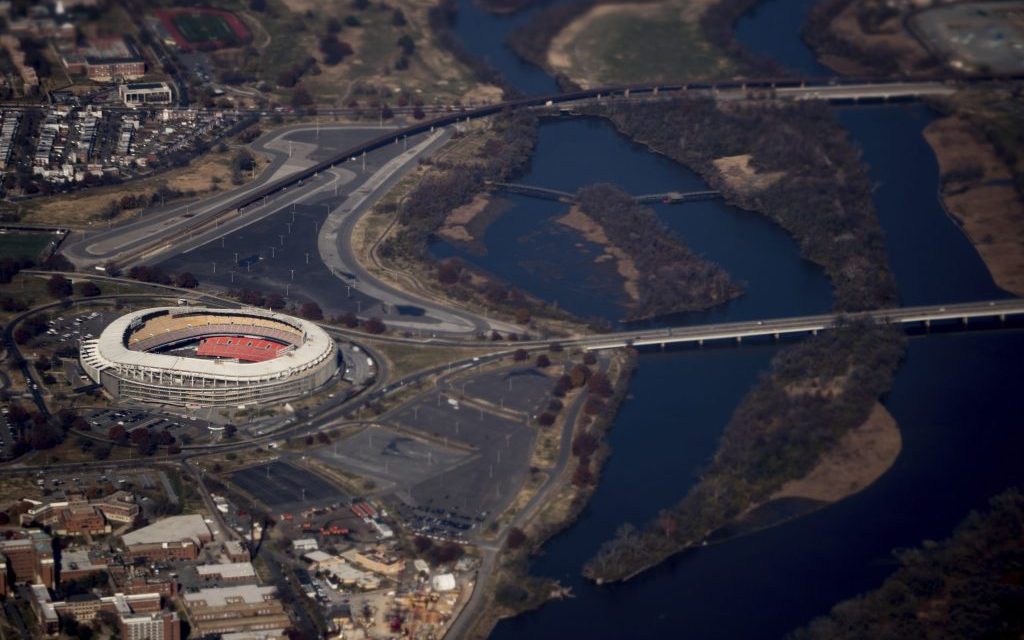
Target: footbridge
{"x":908,"y":317}
{"x":670,"y":197}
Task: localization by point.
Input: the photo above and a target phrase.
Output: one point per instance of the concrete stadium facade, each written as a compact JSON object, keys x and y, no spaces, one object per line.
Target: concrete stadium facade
{"x":123,"y":362}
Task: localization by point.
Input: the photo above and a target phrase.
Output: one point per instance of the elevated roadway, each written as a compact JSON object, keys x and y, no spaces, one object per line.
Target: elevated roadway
{"x":901,"y":316}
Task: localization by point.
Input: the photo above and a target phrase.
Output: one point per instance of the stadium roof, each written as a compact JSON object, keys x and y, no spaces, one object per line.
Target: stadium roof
{"x":111,"y":346}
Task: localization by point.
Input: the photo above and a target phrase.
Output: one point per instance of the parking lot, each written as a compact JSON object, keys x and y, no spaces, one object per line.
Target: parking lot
{"x":392,"y":459}
{"x":523,"y":389}
{"x":282,"y":486}
{"x":184,"y":429}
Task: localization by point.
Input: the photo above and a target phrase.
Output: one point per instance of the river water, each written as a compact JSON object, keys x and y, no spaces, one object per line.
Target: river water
{"x":953,"y":396}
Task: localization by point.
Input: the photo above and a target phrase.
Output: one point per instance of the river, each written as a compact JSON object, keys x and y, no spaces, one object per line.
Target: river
{"x":953,"y":396}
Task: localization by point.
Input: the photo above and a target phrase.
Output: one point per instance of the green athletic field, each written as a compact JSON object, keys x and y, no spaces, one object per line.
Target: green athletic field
{"x":198,"y":27}
{"x":28,"y":244}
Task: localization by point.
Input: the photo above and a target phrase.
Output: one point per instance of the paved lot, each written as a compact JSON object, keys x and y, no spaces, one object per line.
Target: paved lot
{"x":281,"y":485}
{"x":394,"y":460}
{"x":986,"y":36}
{"x":279,"y":253}
{"x":524,"y":389}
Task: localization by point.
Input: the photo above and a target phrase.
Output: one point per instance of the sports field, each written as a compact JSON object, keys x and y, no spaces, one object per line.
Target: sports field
{"x":202,"y":27}
{"x":24,"y":244}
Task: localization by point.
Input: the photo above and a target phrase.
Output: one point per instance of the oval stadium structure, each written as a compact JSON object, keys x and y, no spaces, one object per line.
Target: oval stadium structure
{"x":193,"y":356}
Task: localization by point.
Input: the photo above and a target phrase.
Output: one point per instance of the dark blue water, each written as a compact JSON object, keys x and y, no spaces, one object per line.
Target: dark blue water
{"x":954,"y":398}
{"x":928,"y":252}
{"x":771,"y":582}
{"x":772,"y":29}
{"x":484,"y":34}
{"x":527,"y":248}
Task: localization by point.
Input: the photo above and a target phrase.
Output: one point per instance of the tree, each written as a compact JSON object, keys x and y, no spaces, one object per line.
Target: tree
{"x":583,"y":477}
{"x":301,"y":97}
{"x":543,"y":361}
{"x":520,"y":355}
{"x":58,"y":286}
{"x":516,"y":538}
{"x":406,"y":44}
{"x":275,"y":301}
{"x":449,"y":271}
{"x":186,"y":280}
{"x":334,"y":50}
{"x":398,"y":18}
{"x":584,"y":445}
{"x":374,"y":325}
{"x":88,"y":290}
{"x":546,"y":419}
{"x":311,"y":311}
{"x":579,"y":375}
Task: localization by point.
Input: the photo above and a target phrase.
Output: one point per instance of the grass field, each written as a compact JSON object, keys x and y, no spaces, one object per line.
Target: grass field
{"x":24,"y":244}
{"x":198,"y":27}
{"x":619,"y":43}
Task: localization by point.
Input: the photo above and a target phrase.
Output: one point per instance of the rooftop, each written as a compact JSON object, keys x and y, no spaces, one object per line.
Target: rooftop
{"x":227,"y":570}
{"x":172,"y":529}
{"x":222,"y":596}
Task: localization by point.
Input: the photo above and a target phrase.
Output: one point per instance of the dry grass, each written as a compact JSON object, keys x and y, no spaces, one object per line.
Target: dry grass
{"x":890,"y":36}
{"x":860,"y":458}
{"x":989,"y":209}
{"x":739,"y":175}
{"x":630,"y":42}
{"x":594,"y":232}
{"x":202,"y":176}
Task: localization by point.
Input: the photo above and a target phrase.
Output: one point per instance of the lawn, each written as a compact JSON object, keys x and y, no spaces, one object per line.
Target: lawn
{"x":24,"y":244}
{"x":641,"y":43}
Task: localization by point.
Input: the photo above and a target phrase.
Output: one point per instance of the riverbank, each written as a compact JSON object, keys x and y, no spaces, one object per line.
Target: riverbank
{"x":594,"y":42}
{"x":562,"y":499}
{"x":859,"y":458}
{"x":661,"y":275}
{"x":967,"y":586}
{"x":792,"y":424}
{"x":448,"y":196}
{"x":865,"y":37}
{"x":978,"y":192}
{"x":816,"y":189}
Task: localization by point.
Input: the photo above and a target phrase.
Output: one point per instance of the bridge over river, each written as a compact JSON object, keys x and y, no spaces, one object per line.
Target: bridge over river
{"x":908,"y":317}
{"x":670,"y":197}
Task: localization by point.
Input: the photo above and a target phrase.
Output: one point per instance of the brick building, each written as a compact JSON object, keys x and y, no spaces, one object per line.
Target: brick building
{"x":222,"y":610}
{"x":173,"y":538}
{"x":29,"y":558}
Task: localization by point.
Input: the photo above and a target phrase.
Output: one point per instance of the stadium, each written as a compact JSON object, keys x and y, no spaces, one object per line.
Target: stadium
{"x":201,"y":357}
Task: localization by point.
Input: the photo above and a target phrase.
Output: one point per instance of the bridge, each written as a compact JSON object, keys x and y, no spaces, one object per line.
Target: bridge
{"x":907,"y":317}
{"x":832,"y":89}
{"x":671,"y":197}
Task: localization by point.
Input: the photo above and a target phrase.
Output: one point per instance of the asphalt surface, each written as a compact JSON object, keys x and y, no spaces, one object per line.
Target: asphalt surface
{"x":86,"y":249}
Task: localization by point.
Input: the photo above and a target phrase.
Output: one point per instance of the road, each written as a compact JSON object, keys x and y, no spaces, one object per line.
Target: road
{"x":86,"y":249}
